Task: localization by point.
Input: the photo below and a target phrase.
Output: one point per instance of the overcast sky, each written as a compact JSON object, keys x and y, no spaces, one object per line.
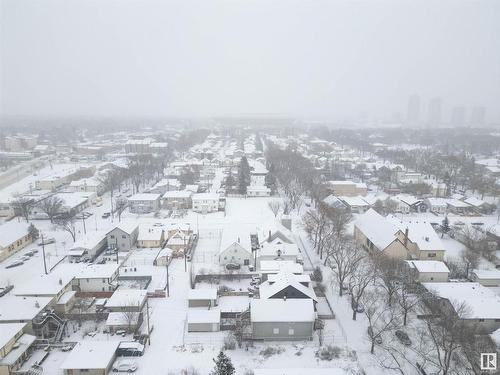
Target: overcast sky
{"x":210,"y":57}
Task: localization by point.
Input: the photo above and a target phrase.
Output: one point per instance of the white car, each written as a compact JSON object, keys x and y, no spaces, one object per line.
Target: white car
{"x":125,"y":365}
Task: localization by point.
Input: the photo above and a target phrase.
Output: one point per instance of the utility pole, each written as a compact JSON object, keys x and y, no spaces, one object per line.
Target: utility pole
{"x":147,"y":312}
{"x":168,"y":279}
{"x":84,"y":227}
{"x":185,"y":260}
{"x":43,"y":253}
{"x":117,"y":251}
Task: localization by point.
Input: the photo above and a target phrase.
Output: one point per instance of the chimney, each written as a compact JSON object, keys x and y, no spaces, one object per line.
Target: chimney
{"x":406,"y":237}
{"x":238,"y":240}
{"x":269,"y":239}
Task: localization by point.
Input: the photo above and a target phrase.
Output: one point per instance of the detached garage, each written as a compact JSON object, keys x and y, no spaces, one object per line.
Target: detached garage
{"x":203,"y":320}
{"x":202,"y":297}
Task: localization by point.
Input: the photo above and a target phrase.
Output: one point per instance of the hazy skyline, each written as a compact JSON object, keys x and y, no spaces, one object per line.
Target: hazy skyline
{"x":332,"y":59}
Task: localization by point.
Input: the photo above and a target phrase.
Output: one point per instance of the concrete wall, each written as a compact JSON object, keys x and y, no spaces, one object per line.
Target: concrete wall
{"x":285,"y":330}
{"x":203,"y":327}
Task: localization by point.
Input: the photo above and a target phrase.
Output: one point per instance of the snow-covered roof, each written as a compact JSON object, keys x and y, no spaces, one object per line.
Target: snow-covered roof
{"x":333,"y":201}
{"x":482,"y":301}
{"x":11,"y":232}
{"x":140,"y":197}
{"x":456,"y":203}
{"x":487,"y":274}
{"x":284,"y":249}
{"x":126,"y":226}
{"x":149,"y":233}
{"x":275,"y":266}
{"x":206,"y":293}
{"x":281,"y":281}
{"x":279,"y":310}
{"x":119,"y":318}
{"x":428,"y":266}
{"x":408,"y":199}
{"x":66,"y":297}
{"x":91,"y":354}
{"x":90,"y":240}
{"x":206,"y":196}
{"x":127,"y":298}
{"x":19,"y":308}
{"x":376,"y":228}
{"x":50,"y":284}
{"x":437,"y":202}
{"x":98,"y":271}
{"x":420,"y":232}
{"x":181,"y":194}
{"x":475,"y":202}
{"x":356,"y":201}
{"x":8,"y":331}
{"x":203,"y":316}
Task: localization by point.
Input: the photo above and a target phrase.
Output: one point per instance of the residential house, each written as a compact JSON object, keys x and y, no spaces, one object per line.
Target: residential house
{"x":355,"y":204}
{"x":286,"y":285}
{"x":89,"y":246}
{"x":488,"y":278}
{"x":437,"y":206}
{"x":377,"y":235}
{"x":144,"y":203}
{"x":277,"y":251}
{"x":202,"y":297}
{"x":165,"y":185}
{"x":407,"y":203}
{"x":347,"y":188}
{"x":235,"y":254}
{"x":15,"y":236}
{"x":123,"y":237}
{"x":125,"y":300}
{"x":177,"y":200}
{"x":150,"y":236}
{"x":205,"y":202}
{"x":97,"y":278}
{"x":202,"y":320}
{"x":458,"y":207}
{"x":91,"y":357}
{"x":282,"y":319}
{"x":23,"y":309}
{"x":428,"y":270}
{"x":15,"y":347}
{"x":482,"y":302}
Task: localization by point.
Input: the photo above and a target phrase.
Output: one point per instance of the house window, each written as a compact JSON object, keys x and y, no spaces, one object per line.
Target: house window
{"x":246,"y":262}
{"x":123,"y":236}
{"x":112,"y":236}
{"x":291,"y":332}
{"x":431,"y":255}
{"x":276,"y":331}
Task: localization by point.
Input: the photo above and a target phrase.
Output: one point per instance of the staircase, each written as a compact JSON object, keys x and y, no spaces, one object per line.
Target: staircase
{"x":50,"y":320}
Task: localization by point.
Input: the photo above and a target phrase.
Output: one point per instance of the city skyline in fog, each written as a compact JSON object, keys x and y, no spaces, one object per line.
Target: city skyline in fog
{"x":325,"y":59}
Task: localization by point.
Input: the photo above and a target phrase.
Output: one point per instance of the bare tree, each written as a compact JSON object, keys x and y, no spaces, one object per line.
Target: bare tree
{"x":51,"y":206}
{"x":318,"y":227}
{"x":130,"y":318}
{"x":274,"y":206}
{"x":447,"y":334}
{"x":361,"y":276}
{"x":343,"y":257}
{"x":381,"y":317}
{"x":66,"y":222}
{"x":120,"y":206}
{"x":22,"y":206}
{"x":389,"y":275}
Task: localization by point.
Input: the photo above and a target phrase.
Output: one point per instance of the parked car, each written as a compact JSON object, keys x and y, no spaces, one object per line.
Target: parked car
{"x":66,"y":348}
{"x":403,"y":337}
{"x":130,"y":349}
{"x":232,"y":266}
{"x":378,"y":338}
{"x":46,"y":241}
{"x":106,"y":215}
{"x":16,"y":263}
{"x":125,"y":365}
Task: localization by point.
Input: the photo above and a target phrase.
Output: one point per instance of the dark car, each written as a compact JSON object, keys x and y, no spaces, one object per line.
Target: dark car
{"x":232,"y":266}
{"x":403,"y":337}
{"x":106,"y":215}
{"x":15,"y":264}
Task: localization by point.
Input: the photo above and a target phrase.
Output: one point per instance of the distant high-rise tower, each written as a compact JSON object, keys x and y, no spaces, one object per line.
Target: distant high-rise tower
{"x":434,"y":114}
{"x":413,"y":115}
{"x":458,"y":117}
{"x":477,"y":116}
